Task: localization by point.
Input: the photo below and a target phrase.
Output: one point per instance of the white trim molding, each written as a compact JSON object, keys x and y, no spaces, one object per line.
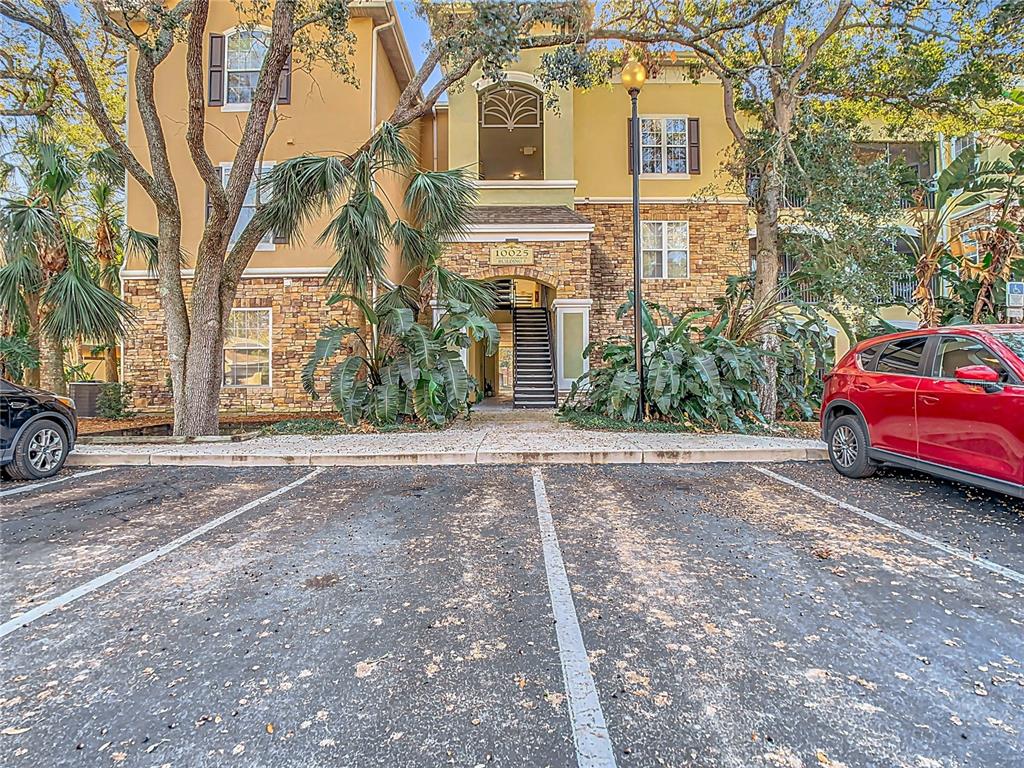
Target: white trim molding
{"x":526,"y":184}
{"x":562,"y":307}
{"x":644,"y":200}
{"x":248,"y":274}
{"x":526,"y":233}
{"x":511,"y":76}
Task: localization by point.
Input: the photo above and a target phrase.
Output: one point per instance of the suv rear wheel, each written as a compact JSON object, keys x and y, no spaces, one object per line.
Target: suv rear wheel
{"x":848,"y":447}
{"x":41,"y":451}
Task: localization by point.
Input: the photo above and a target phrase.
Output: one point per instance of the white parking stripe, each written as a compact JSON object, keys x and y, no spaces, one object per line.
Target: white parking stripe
{"x":100,"y":581}
{"x":589,"y":732}
{"x":961,"y":554}
{"x":33,"y":486}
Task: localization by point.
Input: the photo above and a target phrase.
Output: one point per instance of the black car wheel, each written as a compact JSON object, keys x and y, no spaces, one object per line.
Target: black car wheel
{"x":848,"y":447}
{"x":41,"y":451}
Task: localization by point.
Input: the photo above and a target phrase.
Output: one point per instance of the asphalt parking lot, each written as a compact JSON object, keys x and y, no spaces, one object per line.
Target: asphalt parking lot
{"x":702,"y":615}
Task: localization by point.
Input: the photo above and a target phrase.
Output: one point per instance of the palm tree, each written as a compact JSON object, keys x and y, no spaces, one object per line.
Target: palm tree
{"x":107,"y":217}
{"x":50,"y":274}
{"x":366,"y":222}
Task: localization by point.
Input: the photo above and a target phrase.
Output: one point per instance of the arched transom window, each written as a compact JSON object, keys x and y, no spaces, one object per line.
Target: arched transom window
{"x":510,"y":107}
{"x":511,"y":133}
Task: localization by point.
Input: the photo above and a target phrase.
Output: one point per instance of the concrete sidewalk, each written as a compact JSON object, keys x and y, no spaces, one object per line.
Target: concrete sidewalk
{"x":492,"y":437}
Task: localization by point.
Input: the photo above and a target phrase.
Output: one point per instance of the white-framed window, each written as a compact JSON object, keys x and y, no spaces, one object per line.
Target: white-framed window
{"x":245,"y":51}
{"x":663,"y":145}
{"x":969,"y":243}
{"x":247,"y":348}
{"x":962,"y":143}
{"x":248,"y":208}
{"x":665,"y":246}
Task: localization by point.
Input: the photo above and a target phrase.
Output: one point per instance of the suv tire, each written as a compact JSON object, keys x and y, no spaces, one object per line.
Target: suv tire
{"x":41,"y":451}
{"x":848,"y":447}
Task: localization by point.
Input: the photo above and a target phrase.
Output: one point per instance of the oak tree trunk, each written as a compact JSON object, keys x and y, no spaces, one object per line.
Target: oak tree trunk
{"x":766,"y":281}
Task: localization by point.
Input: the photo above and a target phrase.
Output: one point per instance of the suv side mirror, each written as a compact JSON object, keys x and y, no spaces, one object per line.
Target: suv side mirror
{"x":979,"y":374}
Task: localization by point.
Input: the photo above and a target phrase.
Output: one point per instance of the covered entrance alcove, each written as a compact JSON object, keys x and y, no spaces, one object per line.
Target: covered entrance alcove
{"x":538,"y":260}
{"x":523,"y":372}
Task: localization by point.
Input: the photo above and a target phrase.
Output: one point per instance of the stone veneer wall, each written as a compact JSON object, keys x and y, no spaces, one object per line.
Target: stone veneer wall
{"x":298,"y":311}
{"x":718,"y":249}
{"x":563,"y":264}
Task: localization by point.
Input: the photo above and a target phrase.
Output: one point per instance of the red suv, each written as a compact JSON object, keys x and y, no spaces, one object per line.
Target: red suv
{"x":948,"y":401}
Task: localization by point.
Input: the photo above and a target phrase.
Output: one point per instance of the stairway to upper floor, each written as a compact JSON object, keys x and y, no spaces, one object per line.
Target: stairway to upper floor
{"x":534,"y":382}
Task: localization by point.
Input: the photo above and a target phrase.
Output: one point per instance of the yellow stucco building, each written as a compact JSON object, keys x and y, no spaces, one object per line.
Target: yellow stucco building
{"x":552,"y":227}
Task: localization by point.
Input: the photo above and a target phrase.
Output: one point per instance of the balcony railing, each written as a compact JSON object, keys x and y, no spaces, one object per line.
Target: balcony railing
{"x":790,"y":198}
{"x":795,"y":291}
{"x":909,"y":199}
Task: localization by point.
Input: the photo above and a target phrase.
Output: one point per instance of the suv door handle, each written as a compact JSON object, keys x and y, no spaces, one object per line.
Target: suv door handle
{"x":17,"y":404}
{"x":929,"y":399}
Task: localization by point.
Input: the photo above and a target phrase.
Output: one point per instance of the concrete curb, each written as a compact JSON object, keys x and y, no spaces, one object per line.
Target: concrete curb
{"x":687,"y":456}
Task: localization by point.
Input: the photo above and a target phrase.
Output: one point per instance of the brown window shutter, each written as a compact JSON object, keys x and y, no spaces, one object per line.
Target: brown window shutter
{"x":629,"y":143}
{"x":209,"y":204}
{"x":284,"y":84}
{"x":215,"y":87}
{"x":693,"y":139}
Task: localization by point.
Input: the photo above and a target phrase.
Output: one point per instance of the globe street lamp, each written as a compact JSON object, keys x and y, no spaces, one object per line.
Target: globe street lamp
{"x":633,"y":77}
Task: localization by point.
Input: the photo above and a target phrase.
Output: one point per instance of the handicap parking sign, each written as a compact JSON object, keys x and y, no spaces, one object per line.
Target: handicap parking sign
{"x":1015,"y":294}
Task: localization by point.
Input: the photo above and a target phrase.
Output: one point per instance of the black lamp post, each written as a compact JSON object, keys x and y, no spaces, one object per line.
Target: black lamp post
{"x":633,"y":77}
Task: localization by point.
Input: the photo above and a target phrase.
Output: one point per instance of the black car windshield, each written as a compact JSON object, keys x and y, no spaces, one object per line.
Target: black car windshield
{"x":1014,"y":340}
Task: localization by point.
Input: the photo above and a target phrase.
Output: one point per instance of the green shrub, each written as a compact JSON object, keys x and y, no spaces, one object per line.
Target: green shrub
{"x":401,"y":368}
{"x":705,"y":369}
{"x":115,"y":401}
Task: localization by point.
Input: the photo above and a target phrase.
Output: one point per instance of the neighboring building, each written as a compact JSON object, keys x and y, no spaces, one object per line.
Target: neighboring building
{"x":552,"y":229}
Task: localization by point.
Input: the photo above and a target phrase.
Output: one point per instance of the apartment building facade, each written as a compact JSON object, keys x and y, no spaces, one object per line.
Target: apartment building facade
{"x":552,"y":227}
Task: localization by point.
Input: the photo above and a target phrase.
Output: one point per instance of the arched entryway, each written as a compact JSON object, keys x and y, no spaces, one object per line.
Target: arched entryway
{"x":521,"y":373}
{"x":542,"y":339}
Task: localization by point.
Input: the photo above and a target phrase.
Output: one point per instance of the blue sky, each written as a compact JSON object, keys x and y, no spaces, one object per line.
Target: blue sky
{"x":416,"y":32}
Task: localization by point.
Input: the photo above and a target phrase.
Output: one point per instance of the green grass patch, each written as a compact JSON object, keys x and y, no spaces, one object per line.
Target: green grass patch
{"x":321,"y":427}
{"x":597,"y":421}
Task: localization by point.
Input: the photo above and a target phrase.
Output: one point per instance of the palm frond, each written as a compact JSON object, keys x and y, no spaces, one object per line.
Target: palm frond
{"x":389,"y":150}
{"x":18,"y":276}
{"x":143,"y":245}
{"x":439,"y":202}
{"x":55,"y":172}
{"x":107,"y":166}
{"x":298,"y":190}
{"x":358,"y":233}
{"x":78,"y":306}
{"x":24,"y":223}
{"x":478,"y":294}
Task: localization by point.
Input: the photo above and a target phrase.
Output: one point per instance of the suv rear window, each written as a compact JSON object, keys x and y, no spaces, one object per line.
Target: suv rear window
{"x":869,"y":356}
{"x":902,"y":356}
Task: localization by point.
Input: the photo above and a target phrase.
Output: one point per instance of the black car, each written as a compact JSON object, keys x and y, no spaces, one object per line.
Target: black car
{"x":37,"y":431}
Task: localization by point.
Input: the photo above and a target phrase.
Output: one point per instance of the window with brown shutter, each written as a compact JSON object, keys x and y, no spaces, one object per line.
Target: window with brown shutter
{"x":215,"y":79}
{"x":693,"y":144}
{"x":284,"y":84}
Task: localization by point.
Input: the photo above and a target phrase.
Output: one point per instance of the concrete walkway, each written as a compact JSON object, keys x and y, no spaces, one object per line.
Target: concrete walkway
{"x":493,"y":436}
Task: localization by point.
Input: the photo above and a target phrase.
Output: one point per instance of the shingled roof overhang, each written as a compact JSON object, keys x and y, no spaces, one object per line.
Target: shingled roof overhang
{"x":499,"y":223}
